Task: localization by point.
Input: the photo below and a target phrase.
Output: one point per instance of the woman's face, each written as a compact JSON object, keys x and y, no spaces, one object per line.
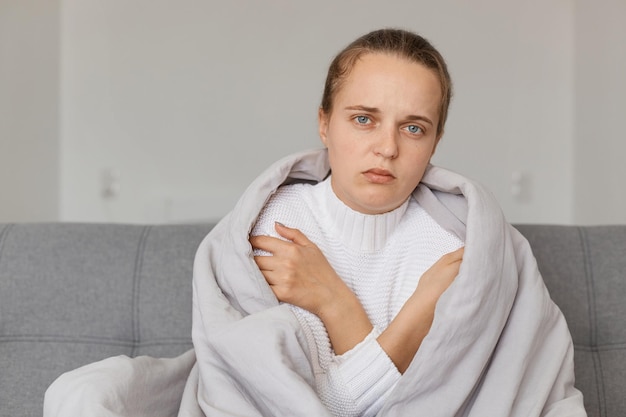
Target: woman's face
{"x":381,"y":132}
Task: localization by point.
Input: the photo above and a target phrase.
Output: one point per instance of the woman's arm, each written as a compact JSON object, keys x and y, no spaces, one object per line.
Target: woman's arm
{"x":405,"y":333}
{"x":299,"y":274}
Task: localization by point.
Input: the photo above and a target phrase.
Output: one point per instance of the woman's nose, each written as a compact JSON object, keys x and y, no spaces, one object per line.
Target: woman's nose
{"x":387,"y":144}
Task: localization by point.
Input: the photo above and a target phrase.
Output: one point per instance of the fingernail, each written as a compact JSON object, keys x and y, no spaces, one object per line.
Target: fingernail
{"x":280,"y":224}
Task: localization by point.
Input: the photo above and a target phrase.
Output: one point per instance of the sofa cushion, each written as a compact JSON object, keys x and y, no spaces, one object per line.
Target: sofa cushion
{"x":584,"y":269}
{"x":71,"y":294}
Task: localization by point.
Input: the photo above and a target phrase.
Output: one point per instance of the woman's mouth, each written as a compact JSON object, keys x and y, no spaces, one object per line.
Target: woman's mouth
{"x":379,"y":176}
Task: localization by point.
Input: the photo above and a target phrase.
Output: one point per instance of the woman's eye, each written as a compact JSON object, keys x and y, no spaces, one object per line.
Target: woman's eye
{"x":362,"y":120}
{"x":414,"y":129}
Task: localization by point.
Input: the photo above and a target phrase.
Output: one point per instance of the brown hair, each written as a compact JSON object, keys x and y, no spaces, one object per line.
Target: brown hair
{"x":399,"y":42}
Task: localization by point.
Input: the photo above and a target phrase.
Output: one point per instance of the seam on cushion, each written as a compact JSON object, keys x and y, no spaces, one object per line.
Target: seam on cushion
{"x":64,"y":339}
{"x":593,"y":336}
{"x":3,"y":235}
{"x":593,"y":341}
{"x":141,"y":248}
{"x":601,"y":348}
{"x":93,"y":340}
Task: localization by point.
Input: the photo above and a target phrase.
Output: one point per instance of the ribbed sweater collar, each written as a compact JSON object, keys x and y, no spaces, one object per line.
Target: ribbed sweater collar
{"x":358,"y":231}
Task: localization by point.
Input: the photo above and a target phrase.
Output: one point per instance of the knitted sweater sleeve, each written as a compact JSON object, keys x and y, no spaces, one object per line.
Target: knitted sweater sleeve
{"x":355,"y":383}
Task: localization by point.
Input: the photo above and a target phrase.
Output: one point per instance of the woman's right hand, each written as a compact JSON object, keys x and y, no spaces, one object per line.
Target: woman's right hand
{"x":439,"y":276}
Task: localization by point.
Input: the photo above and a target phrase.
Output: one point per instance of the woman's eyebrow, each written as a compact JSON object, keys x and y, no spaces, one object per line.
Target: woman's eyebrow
{"x":420,"y":118}
{"x":364,"y":108}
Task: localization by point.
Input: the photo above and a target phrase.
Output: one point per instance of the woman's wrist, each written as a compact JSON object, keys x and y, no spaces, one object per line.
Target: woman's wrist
{"x":346,"y":321}
{"x":405,"y":333}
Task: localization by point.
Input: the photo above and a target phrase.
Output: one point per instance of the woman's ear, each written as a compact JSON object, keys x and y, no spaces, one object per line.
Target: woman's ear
{"x":322,"y":124}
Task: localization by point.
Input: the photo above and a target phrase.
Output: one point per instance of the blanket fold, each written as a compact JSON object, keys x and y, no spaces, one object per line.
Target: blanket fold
{"x":498,"y":345}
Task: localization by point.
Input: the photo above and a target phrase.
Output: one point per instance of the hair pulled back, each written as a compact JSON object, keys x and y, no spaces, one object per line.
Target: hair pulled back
{"x":401,"y":43}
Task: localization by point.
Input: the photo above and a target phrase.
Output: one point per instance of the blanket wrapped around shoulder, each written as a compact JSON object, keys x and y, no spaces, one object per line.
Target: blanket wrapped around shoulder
{"x":498,"y":345}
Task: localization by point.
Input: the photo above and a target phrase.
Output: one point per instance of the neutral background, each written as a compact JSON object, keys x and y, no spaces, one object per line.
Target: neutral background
{"x":163,"y":111}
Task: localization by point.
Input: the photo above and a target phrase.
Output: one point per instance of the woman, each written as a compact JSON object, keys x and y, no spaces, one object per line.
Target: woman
{"x":358,"y":279}
{"x":376,"y":284}
{"x":381,"y":118}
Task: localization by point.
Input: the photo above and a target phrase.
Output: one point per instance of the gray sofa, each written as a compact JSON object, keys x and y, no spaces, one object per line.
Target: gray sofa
{"x":71,"y":294}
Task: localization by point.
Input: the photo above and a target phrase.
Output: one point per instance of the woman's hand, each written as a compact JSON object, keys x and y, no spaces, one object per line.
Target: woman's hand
{"x":405,"y":333}
{"x":299,"y":274}
{"x":439,"y":276}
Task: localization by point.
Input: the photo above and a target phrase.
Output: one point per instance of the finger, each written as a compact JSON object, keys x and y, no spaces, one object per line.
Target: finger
{"x":292,"y":234}
{"x":459,"y":251}
{"x":455,"y":256}
{"x":265,"y":263}
{"x":267,"y":243}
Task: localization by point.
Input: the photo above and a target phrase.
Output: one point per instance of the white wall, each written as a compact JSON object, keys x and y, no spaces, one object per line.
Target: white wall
{"x":186,"y":104}
{"x":29,"y":105}
{"x":600,"y":138}
{"x":513,"y":110}
{"x":183,"y":104}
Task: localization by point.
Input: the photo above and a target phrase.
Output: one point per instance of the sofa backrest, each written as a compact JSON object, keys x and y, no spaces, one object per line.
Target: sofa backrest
{"x":584,"y":269}
{"x":72,"y":294}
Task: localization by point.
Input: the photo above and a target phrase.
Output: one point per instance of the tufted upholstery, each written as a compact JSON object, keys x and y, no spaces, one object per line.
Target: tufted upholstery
{"x":71,"y":294}
{"x":584,"y":269}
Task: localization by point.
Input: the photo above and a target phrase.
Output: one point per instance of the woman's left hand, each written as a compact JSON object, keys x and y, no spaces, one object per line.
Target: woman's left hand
{"x":299,"y":274}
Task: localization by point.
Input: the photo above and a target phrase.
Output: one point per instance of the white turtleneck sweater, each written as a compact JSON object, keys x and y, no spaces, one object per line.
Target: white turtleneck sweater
{"x":381,"y":258}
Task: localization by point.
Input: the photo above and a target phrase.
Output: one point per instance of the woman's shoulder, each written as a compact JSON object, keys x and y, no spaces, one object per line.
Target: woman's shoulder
{"x":291,"y":195}
{"x":286,"y":205}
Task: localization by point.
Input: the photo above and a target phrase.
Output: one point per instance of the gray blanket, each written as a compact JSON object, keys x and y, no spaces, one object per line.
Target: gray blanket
{"x":498,"y":345}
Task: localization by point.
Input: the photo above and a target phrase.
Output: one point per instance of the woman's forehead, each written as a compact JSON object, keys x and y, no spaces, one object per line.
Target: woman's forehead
{"x":382,"y":79}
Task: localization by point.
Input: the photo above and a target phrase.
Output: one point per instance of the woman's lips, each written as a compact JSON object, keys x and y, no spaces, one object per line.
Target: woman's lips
{"x":379,"y":176}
